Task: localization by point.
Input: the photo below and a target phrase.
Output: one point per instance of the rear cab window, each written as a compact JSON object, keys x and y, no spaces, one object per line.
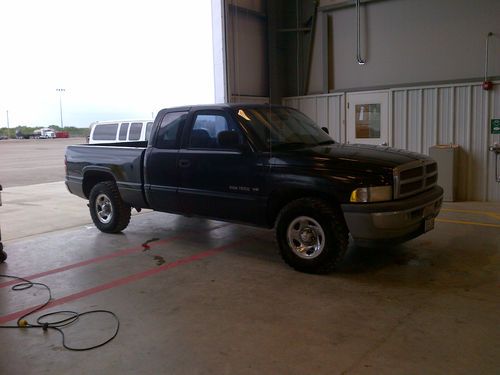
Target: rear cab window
{"x":169,"y":130}
{"x":149,"y":126}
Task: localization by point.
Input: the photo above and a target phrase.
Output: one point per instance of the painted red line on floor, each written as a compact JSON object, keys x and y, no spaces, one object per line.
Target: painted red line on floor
{"x":99,"y":259}
{"x":102,"y":258}
{"x":123,"y":281}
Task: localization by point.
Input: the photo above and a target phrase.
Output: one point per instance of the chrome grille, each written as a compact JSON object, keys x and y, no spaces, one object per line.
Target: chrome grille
{"x":414,"y":177}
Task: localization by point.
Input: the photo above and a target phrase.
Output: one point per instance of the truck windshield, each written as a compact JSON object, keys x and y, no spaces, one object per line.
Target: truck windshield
{"x":283,"y":128}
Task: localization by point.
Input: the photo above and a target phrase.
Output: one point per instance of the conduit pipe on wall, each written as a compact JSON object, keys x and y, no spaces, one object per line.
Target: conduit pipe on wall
{"x":358,"y":35}
{"x":487,"y":84}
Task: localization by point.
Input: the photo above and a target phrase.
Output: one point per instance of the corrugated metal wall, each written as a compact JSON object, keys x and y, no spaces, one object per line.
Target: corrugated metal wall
{"x":421,"y":117}
{"x":326,"y":110}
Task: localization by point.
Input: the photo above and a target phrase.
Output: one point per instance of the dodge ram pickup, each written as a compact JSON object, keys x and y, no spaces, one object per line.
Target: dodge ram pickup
{"x":263,"y":165}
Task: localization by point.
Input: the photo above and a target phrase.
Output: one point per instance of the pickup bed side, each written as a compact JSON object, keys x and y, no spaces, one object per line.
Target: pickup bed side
{"x":87,"y":165}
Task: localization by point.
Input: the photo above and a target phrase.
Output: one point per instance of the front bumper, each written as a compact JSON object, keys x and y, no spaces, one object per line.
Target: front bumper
{"x":395,"y":221}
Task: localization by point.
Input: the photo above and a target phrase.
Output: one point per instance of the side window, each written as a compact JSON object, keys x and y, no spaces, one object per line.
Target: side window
{"x":135,"y":131}
{"x":213,"y":132}
{"x":149,"y":126}
{"x":123,"y":131}
{"x":105,"y":132}
{"x":169,"y":129}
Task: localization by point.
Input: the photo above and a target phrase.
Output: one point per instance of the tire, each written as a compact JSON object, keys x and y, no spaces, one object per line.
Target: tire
{"x":312,"y":236}
{"x":109,"y":212}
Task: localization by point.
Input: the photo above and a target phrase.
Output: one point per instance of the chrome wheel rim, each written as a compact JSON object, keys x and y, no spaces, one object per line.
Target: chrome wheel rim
{"x":104,"y":208}
{"x":306,"y":237}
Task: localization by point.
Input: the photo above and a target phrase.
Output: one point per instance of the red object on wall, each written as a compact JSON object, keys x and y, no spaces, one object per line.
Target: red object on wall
{"x":487,"y":85}
{"x":62,"y":135}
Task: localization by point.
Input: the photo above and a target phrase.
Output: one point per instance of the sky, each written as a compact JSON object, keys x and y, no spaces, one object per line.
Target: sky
{"x":115,"y":59}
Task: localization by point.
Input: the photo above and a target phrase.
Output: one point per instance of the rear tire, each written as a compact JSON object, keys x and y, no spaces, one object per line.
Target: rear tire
{"x":312,"y":236}
{"x":109,"y":212}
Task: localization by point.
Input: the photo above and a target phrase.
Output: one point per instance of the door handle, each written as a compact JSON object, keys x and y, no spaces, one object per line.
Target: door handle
{"x":184,"y":163}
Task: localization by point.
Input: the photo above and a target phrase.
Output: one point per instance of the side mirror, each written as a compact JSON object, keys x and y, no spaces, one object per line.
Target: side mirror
{"x":325,"y":129}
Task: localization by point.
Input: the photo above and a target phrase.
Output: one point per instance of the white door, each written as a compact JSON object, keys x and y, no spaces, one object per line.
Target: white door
{"x":368,"y":117}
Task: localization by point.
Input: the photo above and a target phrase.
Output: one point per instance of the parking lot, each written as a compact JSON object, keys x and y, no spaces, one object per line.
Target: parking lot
{"x":206,"y":297}
{"x":33,"y":161}
{"x":32,"y":174}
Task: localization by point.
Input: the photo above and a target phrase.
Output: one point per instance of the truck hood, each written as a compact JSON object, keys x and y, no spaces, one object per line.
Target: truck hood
{"x":356,"y":156}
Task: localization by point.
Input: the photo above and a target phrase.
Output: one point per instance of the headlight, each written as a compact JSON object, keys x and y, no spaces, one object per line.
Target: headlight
{"x":372,"y":194}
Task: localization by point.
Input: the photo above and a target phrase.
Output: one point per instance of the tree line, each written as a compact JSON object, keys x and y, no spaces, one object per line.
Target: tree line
{"x":73,"y":131}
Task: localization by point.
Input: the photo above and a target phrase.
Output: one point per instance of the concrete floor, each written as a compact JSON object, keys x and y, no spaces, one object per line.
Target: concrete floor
{"x":215,"y":298}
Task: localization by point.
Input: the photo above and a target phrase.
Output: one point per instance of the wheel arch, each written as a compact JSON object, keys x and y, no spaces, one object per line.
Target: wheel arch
{"x":280,"y":198}
{"x":94,"y":176}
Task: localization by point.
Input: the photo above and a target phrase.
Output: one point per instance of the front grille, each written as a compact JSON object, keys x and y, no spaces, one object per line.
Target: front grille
{"x":414,"y":177}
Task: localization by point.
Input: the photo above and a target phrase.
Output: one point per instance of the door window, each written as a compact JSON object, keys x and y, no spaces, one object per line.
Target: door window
{"x":368,"y":117}
{"x":367,"y":120}
{"x":212,"y":131}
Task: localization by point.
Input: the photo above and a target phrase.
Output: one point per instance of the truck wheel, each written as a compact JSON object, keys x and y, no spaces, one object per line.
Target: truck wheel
{"x":312,"y":236}
{"x":109,"y":212}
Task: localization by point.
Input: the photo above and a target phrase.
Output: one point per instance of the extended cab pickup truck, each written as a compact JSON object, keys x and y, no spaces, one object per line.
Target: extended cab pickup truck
{"x":262,"y":165}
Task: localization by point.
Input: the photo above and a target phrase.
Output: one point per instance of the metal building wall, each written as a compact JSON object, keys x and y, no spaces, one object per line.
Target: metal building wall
{"x":421,"y":117}
{"x":326,"y":110}
{"x":404,"y":42}
{"x":246,"y":50}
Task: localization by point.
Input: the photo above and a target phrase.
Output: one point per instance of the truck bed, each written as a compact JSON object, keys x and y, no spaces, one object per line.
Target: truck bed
{"x":123,"y":161}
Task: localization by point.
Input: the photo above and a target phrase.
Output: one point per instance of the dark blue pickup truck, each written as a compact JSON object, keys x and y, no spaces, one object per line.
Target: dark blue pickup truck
{"x":262,"y":165}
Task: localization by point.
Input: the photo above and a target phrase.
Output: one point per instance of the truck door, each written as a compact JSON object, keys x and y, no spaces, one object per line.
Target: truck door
{"x":161,"y":172}
{"x":220,"y":177}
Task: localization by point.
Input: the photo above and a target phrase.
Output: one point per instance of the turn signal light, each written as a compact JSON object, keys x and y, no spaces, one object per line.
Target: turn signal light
{"x":371,"y":194}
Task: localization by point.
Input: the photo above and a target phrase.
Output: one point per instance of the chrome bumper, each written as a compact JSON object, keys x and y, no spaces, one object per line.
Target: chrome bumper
{"x":394,"y":221}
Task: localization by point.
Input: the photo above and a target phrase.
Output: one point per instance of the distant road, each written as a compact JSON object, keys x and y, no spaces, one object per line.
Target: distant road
{"x":33,"y":161}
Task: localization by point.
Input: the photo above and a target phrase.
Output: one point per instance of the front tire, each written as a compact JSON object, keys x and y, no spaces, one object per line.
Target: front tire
{"x":312,"y":236}
{"x":109,"y":212}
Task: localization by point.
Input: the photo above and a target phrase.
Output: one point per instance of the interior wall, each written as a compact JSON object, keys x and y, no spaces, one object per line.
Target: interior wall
{"x":246,"y":42}
{"x":408,"y":41}
{"x":268,"y":48}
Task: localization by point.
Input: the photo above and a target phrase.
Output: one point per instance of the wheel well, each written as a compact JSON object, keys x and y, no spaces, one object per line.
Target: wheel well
{"x":92,"y":178}
{"x":280,"y":199}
